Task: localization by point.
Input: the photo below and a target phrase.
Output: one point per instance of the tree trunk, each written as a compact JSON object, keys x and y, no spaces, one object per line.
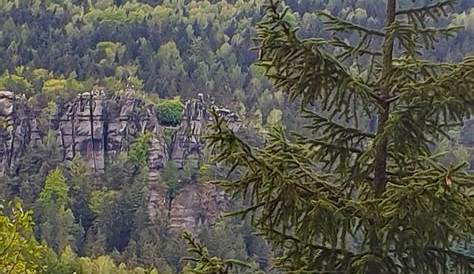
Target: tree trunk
{"x":381,"y":154}
{"x":380,"y":167}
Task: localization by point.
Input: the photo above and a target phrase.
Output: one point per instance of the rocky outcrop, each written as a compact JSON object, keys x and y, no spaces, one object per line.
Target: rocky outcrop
{"x":197,"y":204}
{"x":18,"y":130}
{"x":98,"y":127}
{"x":194,"y":203}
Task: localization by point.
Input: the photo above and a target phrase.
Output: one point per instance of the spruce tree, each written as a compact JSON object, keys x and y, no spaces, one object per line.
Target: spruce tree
{"x":345,"y":199}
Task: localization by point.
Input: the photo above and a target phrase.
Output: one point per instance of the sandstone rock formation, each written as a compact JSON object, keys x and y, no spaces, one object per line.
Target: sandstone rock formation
{"x":99,"y":127}
{"x":195,"y":204}
{"x":18,"y":129}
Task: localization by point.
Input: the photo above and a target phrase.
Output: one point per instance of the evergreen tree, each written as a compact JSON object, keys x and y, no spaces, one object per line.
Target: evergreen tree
{"x":140,"y":151}
{"x":201,"y":262}
{"x":343,"y":199}
{"x":57,"y":224}
{"x":80,"y":192}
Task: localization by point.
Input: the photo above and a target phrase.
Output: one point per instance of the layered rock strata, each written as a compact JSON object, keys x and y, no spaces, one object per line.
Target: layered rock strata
{"x":99,"y":127}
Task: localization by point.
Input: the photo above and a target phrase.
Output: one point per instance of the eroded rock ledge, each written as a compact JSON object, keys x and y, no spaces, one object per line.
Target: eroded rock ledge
{"x":99,"y":127}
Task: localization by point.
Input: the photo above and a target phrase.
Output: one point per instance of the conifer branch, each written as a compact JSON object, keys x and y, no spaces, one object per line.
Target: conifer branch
{"x":337,"y":24}
{"x":320,"y":123}
{"x":443,"y":93}
{"x":205,"y":264}
{"x":428,"y":11}
{"x":431,"y":7}
{"x":413,"y":38}
{"x":336,"y":42}
{"x":303,"y":68}
{"x":311,"y":245}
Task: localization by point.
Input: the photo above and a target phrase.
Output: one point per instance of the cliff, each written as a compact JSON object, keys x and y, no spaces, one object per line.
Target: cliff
{"x":99,"y":127}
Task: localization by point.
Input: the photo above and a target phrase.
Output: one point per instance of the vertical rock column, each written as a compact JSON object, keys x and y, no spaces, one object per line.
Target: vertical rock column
{"x":194,"y":203}
{"x":81,"y":129}
{"x":6,"y":130}
{"x":15,"y":130}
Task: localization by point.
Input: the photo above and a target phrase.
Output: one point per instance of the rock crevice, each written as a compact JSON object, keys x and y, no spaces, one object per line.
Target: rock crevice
{"x":99,"y":127}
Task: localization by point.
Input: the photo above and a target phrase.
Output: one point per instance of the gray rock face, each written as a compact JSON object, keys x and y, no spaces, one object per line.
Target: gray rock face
{"x":7,"y":131}
{"x":195,"y":203}
{"x":99,"y":127}
{"x":18,"y":129}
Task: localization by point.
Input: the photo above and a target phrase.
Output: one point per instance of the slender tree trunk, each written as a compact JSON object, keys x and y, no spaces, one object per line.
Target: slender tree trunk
{"x":381,"y":153}
{"x":380,"y":168}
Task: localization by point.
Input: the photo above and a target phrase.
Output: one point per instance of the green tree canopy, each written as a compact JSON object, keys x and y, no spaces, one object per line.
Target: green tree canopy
{"x":19,"y":251}
{"x":170,"y":111}
{"x":55,"y":189}
{"x":139,"y":151}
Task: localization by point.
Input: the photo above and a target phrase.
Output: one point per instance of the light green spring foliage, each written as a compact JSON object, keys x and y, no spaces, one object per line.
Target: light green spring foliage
{"x":165,"y":47}
{"x":68,"y":262}
{"x":55,"y":189}
{"x":19,"y":251}
{"x":170,"y":111}
{"x":139,"y":151}
{"x":14,"y":82}
{"x":345,"y":199}
{"x":57,"y":224}
{"x":99,"y":199}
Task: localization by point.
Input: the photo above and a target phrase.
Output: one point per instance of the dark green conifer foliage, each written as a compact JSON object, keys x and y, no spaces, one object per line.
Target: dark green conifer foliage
{"x":202,"y":263}
{"x":344,"y":200}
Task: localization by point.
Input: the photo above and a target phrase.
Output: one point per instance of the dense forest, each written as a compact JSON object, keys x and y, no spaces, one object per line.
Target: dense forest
{"x":303,"y":202}
{"x":168,"y":48}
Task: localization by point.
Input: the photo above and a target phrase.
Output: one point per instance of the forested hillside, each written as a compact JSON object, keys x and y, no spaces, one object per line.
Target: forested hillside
{"x":104,"y":110}
{"x":167,"y":48}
